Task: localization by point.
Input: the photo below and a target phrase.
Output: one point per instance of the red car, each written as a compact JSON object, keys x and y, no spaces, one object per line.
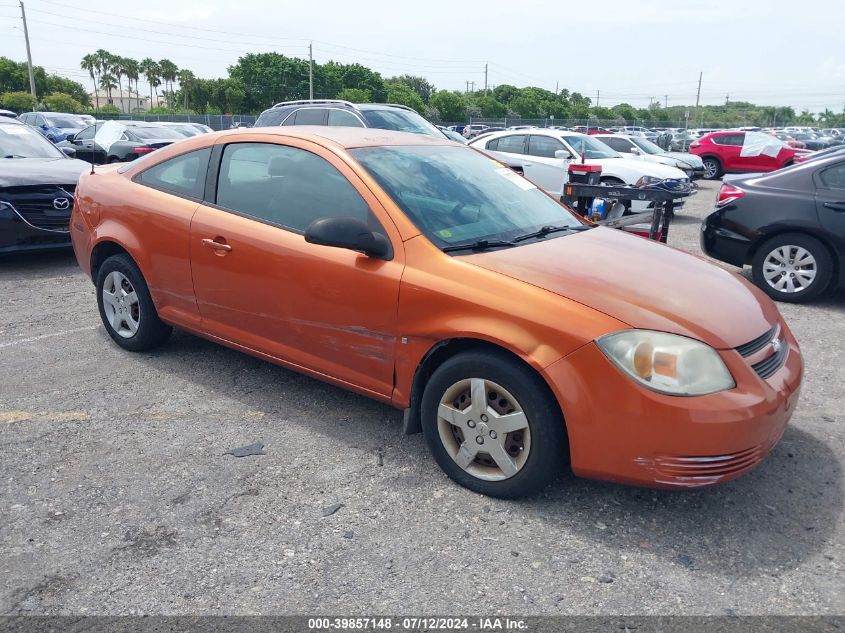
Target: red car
{"x":734,"y":151}
{"x":583,"y":129}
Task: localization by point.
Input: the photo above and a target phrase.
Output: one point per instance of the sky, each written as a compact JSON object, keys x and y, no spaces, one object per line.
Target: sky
{"x":768,"y":52}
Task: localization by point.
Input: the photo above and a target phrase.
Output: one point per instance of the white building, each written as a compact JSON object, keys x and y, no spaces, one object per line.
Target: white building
{"x":124,"y":100}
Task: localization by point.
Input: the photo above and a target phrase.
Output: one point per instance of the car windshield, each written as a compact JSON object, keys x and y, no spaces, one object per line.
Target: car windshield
{"x":19,"y":141}
{"x":65,"y":120}
{"x":647,"y":146}
{"x":456,"y":195}
{"x":401,"y":121}
{"x":590,"y":147}
{"x":154,"y":133}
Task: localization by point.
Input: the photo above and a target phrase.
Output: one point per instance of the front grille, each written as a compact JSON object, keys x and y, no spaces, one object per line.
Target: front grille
{"x":34,"y":204}
{"x":775,"y":360}
{"x":758,"y":343}
{"x":709,"y":467}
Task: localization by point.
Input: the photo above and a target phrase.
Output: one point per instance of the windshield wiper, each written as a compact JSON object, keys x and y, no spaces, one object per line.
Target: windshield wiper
{"x":479,"y":245}
{"x":544,"y":231}
{"x":14,"y":156}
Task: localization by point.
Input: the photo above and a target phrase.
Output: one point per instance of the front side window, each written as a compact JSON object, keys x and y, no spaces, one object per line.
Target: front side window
{"x":183,"y":175}
{"x":834,"y":177}
{"x":729,"y":139}
{"x":456,"y":195}
{"x":344,"y":119}
{"x":85,"y":135}
{"x":543,"y":146}
{"x":514,"y":144}
{"x":286,"y":186}
{"x":646,"y":146}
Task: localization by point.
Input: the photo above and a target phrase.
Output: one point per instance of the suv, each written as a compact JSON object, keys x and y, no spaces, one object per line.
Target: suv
{"x":734,"y":151}
{"x":56,"y":126}
{"x":334,"y":112}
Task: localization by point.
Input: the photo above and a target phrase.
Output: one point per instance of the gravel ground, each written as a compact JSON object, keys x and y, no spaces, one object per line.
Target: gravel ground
{"x":117,"y":496}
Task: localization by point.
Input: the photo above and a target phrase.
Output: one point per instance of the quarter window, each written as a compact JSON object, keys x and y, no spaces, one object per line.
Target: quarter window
{"x":286,"y":186}
{"x":183,"y":175}
{"x":310,"y":116}
{"x":512,"y":144}
{"x":543,"y":146}
{"x":834,"y":177}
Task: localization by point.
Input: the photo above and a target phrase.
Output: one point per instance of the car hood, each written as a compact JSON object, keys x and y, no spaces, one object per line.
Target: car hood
{"x":642,"y":283}
{"x":690,"y":159}
{"x":15,"y":172}
{"x":645,"y":168}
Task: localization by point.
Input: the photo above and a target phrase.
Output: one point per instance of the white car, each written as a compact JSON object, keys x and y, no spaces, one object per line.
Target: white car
{"x":545,"y":154}
{"x":643,"y":149}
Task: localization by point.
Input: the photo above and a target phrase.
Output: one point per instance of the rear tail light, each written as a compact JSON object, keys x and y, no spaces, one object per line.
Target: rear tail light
{"x":728,"y":194}
{"x":143,"y":149}
{"x":694,"y":144}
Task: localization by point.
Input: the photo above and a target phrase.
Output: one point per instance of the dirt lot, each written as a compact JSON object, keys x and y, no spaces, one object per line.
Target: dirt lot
{"x":117,"y":495}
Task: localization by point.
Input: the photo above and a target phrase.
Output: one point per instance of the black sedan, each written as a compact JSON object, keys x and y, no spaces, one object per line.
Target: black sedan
{"x":37,"y":182}
{"x":789,"y":225}
{"x":122,"y":141}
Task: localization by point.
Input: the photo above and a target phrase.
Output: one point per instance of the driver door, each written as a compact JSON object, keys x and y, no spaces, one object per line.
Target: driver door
{"x":259,"y":284}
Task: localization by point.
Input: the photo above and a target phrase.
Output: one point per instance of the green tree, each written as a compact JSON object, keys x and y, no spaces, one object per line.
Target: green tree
{"x":269,"y":78}
{"x":133,"y":71}
{"x":152,"y":74}
{"x":419,"y":85}
{"x":18,"y":101}
{"x":60,"y":102}
{"x":489,"y":107}
{"x":401,"y":93}
{"x":451,"y":105}
{"x":89,"y":62}
{"x":186,"y":78}
{"x":168,"y":71}
{"x":355,"y":95}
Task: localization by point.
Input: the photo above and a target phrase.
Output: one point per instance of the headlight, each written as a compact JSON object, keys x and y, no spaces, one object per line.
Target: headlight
{"x":683,"y":166}
{"x":647,"y":180}
{"x":667,"y":363}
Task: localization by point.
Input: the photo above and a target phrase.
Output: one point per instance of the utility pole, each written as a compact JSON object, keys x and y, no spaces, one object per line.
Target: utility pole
{"x":485,"y":78}
{"x":598,"y":94}
{"x":698,"y":94}
{"x":727,"y":99}
{"x":311,"y":71}
{"x":28,"y":53}
{"x":665,"y":102}
{"x":472,"y":86}
{"x":557,"y":86}
{"x":467,"y":90}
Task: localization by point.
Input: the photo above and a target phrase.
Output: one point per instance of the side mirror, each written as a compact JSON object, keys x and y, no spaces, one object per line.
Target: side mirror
{"x":562,"y":154}
{"x":348,"y":233}
{"x":69,"y":137}
{"x":69,"y":151}
{"x":635,"y":151}
{"x":43,"y":126}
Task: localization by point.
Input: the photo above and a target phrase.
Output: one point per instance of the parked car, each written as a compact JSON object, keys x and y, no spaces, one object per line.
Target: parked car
{"x":474,"y":129}
{"x":583,"y":129}
{"x":822,"y":153}
{"x":121,"y":141}
{"x":8,"y":114}
{"x":680,"y":142}
{"x":452,"y":135}
{"x":786,"y":138}
{"x":37,"y":181}
{"x":204,"y":129}
{"x":811,"y":141}
{"x":55,"y":126}
{"x":333,"y":112}
{"x":731,"y":151}
{"x":789,"y":226}
{"x":418,"y":272}
{"x":186,"y":129}
{"x":544,"y":156}
{"x":635,"y":147}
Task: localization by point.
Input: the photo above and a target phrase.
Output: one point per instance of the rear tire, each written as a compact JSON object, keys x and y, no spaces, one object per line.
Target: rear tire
{"x":792,"y":267}
{"x":712,"y":168}
{"x":493,"y":426}
{"x":126,"y":307}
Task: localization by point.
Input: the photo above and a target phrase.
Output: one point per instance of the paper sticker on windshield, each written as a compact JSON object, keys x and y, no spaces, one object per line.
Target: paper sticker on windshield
{"x":445,"y":233}
{"x":515,"y":178}
{"x":18,"y":130}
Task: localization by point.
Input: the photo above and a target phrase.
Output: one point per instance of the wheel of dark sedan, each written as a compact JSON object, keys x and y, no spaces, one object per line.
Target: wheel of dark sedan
{"x":712,"y":168}
{"x":792,"y":267}
{"x":126,"y":307}
{"x":493,"y":426}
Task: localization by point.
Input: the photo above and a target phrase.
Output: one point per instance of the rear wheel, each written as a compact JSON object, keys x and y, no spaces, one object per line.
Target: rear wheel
{"x":126,"y":307}
{"x":492,"y":425}
{"x":712,"y":168}
{"x":792,"y":267}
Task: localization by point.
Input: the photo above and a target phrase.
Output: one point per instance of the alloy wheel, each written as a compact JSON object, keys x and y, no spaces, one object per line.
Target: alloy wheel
{"x":790,"y":269}
{"x":710,"y":169}
{"x":484,"y":429}
{"x":121,"y":305}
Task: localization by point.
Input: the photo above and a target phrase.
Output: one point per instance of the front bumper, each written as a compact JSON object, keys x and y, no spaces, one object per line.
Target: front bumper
{"x":18,"y":235}
{"x":620,"y":431}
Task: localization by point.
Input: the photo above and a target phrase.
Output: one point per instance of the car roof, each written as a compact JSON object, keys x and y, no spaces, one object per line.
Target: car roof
{"x":345,"y":137}
{"x":542,"y":131}
{"x":10,"y":121}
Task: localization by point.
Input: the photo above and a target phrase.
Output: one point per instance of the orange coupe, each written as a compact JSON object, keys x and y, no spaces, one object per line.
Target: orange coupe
{"x":422,"y":273}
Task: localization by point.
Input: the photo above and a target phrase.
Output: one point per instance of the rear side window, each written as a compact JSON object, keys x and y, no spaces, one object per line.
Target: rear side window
{"x":87,"y":133}
{"x":729,"y":139}
{"x":619,"y":144}
{"x":543,"y":146}
{"x":834,"y":177}
{"x":344,"y":119}
{"x":494,"y":144}
{"x":286,"y":186}
{"x":310,"y":116}
{"x":183,"y":175}
{"x":512,"y":144}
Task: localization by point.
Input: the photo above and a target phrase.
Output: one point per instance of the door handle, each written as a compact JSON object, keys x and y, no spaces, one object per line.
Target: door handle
{"x":216,"y":246}
{"x":836,"y":206}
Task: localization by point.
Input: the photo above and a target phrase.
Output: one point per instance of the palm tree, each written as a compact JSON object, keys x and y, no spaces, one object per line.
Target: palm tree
{"x":104,"y":63}
{"x":119,"y":70}
{"x":107,"y":82}
{"x":91,"y":64}
{"x":186,"y":78}
{"x":130,"y":67}
{"x":151,"y":72}
{"x":168,"y":72}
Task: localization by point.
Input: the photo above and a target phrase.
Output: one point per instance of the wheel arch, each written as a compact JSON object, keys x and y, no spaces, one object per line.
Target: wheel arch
{"x":442,"y":351}
{"x":803,"y":230}
{"x":105,"y":249}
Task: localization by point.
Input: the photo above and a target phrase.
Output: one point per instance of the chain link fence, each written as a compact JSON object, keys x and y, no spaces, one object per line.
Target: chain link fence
{"x":214,"y":121}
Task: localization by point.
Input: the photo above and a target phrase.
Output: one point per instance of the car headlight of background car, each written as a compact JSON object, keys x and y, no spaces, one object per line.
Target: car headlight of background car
{"x":647,"y":180}
{"x":683,"y":166}
{"x":667,"y":363}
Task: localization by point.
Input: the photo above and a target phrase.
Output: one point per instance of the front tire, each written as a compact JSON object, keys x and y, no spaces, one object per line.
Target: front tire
{"x":493,"y":426}
{"x":792,"y":267}
{"x":126,"y":307}
{"x":712,"y":168}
